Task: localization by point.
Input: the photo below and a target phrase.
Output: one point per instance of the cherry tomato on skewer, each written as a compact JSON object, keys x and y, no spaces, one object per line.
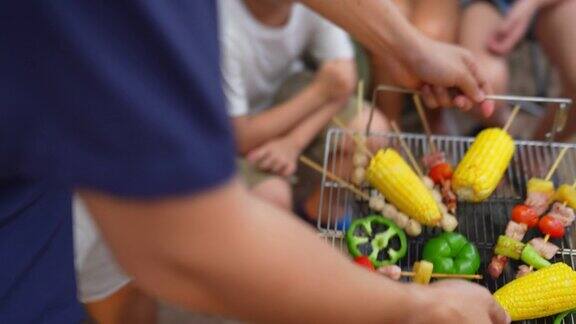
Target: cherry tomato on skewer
{"x":441,"y":172}
{"x":525,"y":215}
{"x":551,"y":226}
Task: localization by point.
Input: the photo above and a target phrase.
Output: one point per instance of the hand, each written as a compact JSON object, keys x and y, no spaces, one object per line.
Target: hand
{"x":514,"y":26}
{"x":337,"y":79}
{"x":278,"y":156}
{"x":441,"y":67}
{"x":454,"y":301}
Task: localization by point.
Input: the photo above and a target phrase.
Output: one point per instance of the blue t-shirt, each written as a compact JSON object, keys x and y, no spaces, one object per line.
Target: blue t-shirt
{"x":122,"y":96}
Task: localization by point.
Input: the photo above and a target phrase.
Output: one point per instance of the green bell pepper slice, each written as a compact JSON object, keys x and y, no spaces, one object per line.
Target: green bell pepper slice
{"x":531,"y":257}
{"x":451,"y":253}
{"x":509,"y":247}
{"x":378,"y":238}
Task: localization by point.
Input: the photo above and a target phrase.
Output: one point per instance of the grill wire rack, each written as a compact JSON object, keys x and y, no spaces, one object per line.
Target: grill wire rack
{"x":481,"y":223}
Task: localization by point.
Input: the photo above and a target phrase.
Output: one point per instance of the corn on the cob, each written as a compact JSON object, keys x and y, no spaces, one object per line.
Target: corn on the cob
{"x":391,"y":175}
{"x":542,"y":293}
{"x":483,"y":166}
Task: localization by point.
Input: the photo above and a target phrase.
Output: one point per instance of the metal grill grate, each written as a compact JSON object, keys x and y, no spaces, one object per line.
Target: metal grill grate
{"x":482,"y":223}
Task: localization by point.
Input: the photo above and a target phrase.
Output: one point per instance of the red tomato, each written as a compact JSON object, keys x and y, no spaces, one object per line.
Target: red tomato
{"x":525,"y":215}
{"x":365,"y":262}
{"x":551,"y":226}
{"x":441,"y":172}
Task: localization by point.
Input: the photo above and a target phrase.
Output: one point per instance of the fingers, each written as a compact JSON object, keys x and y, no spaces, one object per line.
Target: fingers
{"x":442,"y":96}
{"x":498,"y":315}
{"x":470,"y":81}
{"x":463,"y":103}
{"x":429,"y":97}
{"x":255,"y":156}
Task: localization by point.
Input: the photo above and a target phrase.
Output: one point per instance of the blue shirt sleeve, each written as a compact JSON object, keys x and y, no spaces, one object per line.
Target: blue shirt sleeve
{"x":123,"y":96}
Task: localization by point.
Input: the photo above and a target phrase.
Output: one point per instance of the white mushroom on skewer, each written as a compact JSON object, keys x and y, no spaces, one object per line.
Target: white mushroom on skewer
{"x":448,"y":223}
{"x":428,"y":182}
{"x":377,"y":203}
{"x":358,"y":176}
{"x":401,"y":220}
{"x":360,"y":160}
{"x":413,"y":228}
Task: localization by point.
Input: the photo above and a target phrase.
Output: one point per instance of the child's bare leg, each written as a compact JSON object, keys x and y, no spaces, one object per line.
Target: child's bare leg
{"x":479,"y":22}
{"x":276,"y":190}
{"x":555,"y":29}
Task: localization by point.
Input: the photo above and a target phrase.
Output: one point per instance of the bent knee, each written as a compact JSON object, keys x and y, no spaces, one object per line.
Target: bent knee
{"x":495,"y":71}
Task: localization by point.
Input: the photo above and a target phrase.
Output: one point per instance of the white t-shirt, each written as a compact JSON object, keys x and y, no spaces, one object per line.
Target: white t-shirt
{"x":257,"y":59}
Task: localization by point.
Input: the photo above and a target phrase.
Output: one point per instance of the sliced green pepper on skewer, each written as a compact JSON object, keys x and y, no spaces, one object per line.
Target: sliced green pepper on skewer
{"x":509,"y":247}
{"x":378,"y":238}
{"x":532,"y":258}
{"x":451,"y":253}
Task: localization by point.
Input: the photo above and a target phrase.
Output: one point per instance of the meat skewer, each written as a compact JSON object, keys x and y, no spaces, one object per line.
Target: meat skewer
{"x":560,"y":216}
{"x":540,"y":192}
{"x":448,"y":222}
{"x":439,"y":169}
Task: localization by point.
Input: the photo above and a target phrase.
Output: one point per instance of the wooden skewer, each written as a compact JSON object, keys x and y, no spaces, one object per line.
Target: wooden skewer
{"x":512,"y":117}
{"x":333,"y":177}
{"x":424,"y":120}
{"x":407,"y":150}
{"x":354,"y":137}
{"x":360,"y":99}
{"x":444,"y":275}
{"x":556,"y":164}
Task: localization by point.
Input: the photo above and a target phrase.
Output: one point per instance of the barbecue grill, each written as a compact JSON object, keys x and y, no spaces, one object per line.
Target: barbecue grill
{"x":482,"y":222}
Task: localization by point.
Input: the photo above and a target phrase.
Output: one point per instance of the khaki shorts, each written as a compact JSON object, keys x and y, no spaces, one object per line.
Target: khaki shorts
{"x":251,"y":175}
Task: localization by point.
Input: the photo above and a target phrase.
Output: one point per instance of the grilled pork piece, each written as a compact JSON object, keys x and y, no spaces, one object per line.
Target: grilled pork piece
{"x":516,"y":231}
{"x":393,"y":272}
{"x":522,"y":271}
{"x":433,"y":159}
{"x":539,"y":201}
{"x":546,"y":250}
{"x":497,"y":265}
{"x":562,"y":213}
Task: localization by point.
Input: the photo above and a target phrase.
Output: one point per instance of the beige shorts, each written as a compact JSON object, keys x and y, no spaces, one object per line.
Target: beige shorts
{"x":251,"y":175}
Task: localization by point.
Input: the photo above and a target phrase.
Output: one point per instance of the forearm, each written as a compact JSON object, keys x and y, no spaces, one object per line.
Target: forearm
{"x":252,"y":262}
{"x":378,"y":25}
{"x":306,"y":131}
{"x":253,"y":131}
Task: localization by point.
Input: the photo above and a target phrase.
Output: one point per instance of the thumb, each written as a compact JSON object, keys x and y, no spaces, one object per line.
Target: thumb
{"x":498,"y":314}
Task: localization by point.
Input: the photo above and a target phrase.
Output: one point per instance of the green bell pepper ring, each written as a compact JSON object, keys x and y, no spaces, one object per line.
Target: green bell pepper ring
{"x":509,"y":247}
{"x":451,"y":253}
{"x":560,"y":317}
{"x":531,"y":257}
{"x":378,"y":238}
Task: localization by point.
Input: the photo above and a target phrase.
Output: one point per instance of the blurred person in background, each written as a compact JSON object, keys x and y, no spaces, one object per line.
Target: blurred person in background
{"x":287,"y":71}
{"x":108,"y":294}
{"x":492,"y":29}
{"x":438,"y":20}
{"x":122,"y":102}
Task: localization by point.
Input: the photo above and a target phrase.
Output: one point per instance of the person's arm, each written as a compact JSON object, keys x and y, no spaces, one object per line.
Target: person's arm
{"x":224,"y":251}
{"x":305,"y":132}
{"x":381,"y":27}
{"x":334,"y":82}
{"x":254,"y":130}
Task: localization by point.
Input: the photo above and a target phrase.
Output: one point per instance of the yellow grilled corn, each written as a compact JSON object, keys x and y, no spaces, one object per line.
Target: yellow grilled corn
{"x":391,"y":175}
{"x":483,"y":166}
{"x":542,"y":293}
